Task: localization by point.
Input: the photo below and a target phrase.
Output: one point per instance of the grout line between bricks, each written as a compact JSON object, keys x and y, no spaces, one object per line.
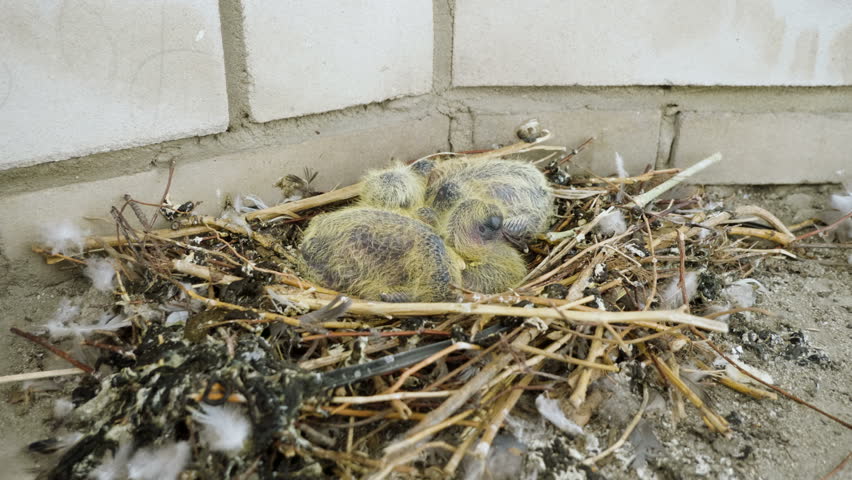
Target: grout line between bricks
{"x":236,"y":68}
{"x":668,"y":136}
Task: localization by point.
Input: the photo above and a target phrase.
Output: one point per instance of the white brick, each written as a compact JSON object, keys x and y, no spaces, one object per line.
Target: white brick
{"x":77,"y":78}
{"x":652,"y":42}
{"x":631,"y":133}
{"x":339,"y":159}
{"x":310,"y":56}
{"x":767,"y":148}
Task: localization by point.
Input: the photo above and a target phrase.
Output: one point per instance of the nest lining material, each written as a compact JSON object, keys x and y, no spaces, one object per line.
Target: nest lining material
{"x":215,"y":314}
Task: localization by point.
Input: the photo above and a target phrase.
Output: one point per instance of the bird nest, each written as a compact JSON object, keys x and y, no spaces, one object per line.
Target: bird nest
{"x":224,"y":363}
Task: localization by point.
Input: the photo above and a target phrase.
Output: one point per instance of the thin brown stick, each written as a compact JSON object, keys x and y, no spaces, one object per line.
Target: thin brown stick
{"x":653,"y":293}
{"x":631,"y":180}
{"x":574,"y":152}
{"x":596,"y":349}
{"x":386,"y":397}
{"x":413,"y":438}
{"x":624,"y":436}
{"x":350,"y":412}
{"x":716,"y":423}
{"x":681,"y":246}
{"x":56,"y":350}
{"x":773,"y":387}
{"x":165,"y":196}
{"x":567,"y":359}
{"x":291,"y":208}
{"x":480,"y":452}
{"x":294,"y":322}
{"x":765,"y":234}
{"x":395,"y":333}
{"x":737,"y":310}
{"x":824,"y":229}
{"x":838,"y":468}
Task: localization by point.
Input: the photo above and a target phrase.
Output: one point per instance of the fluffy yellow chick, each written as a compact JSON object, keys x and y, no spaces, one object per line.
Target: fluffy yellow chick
{"x":383,"y":255}
{"x":475,"y":231}
{"x":518,"y":188}
{"x":398,"y":188}
{"x":378,"y":255}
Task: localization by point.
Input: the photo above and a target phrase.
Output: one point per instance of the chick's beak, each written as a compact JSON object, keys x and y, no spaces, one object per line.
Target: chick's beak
{"x":515,"y":240}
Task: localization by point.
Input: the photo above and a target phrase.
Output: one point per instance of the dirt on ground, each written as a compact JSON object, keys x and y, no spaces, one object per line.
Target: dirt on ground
{"x":806,"y":347}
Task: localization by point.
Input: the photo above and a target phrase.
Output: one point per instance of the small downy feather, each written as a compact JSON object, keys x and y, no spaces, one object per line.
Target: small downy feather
{"x":550,"y":410}
{"x":619,"y":166}
{"x":62,"y":407}
{"x":742,"y":293}
{"x":66,"y":313}
{"x":671,"y":296}
{"x":612,"y":222}
{"x":225,"y":428}
{"x":114,"y":466}
{"x":843,"y":204}
{"x":64,"y":237}
{"x":237,"y":219}
{"x":101,"y":273}
{"x":159,"y":463}
{"x":66,"y":322}
{"x":249,"y":203}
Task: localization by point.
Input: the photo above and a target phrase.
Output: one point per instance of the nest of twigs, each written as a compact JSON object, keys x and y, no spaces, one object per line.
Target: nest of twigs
{"x":217,"y":315}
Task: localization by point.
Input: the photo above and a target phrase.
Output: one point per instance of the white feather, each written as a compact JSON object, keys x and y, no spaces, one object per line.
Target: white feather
{"x":62,"y":407}
{"x":742,"y":293}
{"x":612,"y":222}
{"x":619,"y":166}
{"x":249,"y":203}
{"x":64,"y":237}
{"x":843,"y":204}
{"x":65,"y":323}
{"x":671,"y":296}
{"x":179,"y":316}
{"x":113,"y":467}
{"x":58,"y":326}
{"x":225,"y":428}
{"x":160,"y":463}
{"x":550,"y":410}
{"x":237,"y":219}
{"x":101,"y":273}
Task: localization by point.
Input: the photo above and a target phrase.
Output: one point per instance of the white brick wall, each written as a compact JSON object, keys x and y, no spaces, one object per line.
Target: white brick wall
{"x":78,"y":78}
{"x":652,"y":42}
{"x":767,"y":148}
{"x":340,"y":160}
{"x":309,"y":56}
{"x":631,"y":133}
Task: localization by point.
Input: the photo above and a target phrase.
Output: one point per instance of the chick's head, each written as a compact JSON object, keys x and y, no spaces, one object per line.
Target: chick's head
{"x":397,"y":187}
{"x":475,"y":230}
{"x":472,"y":227}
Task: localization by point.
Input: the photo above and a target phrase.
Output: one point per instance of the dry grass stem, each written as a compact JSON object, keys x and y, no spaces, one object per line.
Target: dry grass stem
{"x":624,"y":436}
{"x":393,"y":310}
{"x":30,"y":376}
{"x":642,"y":200}
{"x":386,"y":397}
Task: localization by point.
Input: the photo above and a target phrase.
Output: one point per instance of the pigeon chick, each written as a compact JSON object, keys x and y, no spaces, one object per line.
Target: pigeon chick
{"x":379,"y":255}
{"x":398,"y":188}
{"x":476,"y":232}
{"x":518,"y":188}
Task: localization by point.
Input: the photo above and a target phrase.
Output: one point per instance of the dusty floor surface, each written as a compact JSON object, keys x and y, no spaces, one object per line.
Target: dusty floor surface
{"x":806,"y":347}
